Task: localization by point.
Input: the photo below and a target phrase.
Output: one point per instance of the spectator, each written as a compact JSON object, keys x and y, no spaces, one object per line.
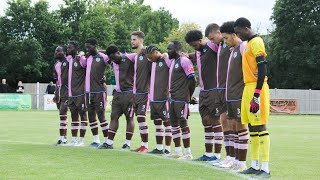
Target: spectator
{"x":50,"y":88}
{"x":20,"y":88}
{"x":4,"y":88}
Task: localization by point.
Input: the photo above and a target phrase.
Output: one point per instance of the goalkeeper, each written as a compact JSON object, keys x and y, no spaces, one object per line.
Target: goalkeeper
{"x":255,"y":98}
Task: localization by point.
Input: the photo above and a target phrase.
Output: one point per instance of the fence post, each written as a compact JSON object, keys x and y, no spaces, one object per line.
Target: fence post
{"x":38,"y":95}
{"x":275,"y":93}
{"x":310,"y":103}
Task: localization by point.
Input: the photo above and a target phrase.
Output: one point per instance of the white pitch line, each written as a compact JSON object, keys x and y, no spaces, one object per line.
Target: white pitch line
{"x":206,"y":165}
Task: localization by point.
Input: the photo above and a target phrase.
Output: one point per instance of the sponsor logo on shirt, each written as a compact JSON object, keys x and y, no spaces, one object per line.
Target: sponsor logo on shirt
{"x":246,"y":49}
{"x":123,"y":60}
{"x":191,"y":70}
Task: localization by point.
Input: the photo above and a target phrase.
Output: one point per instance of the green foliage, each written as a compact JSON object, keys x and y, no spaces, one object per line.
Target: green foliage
{"x":179,"y":34}
{"x":295,"y":44}
{"x":29,"y":32}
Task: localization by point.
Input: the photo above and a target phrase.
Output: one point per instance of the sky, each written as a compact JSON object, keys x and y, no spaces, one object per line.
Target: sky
{"x":204,"y":12}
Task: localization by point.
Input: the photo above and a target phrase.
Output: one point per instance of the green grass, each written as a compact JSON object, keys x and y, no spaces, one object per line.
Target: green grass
{"x":27,"y":151}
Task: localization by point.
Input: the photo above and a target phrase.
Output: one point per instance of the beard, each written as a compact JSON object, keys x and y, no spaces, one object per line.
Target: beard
{"x":134,"y":47}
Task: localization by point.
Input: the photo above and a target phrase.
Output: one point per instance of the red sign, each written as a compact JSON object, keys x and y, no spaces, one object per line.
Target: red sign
{"x":284,"y":106}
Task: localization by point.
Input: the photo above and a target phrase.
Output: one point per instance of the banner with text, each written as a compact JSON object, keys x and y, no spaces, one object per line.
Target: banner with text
{"x":15,"y":101}
{"x":284,"y":106}
{"x":48,"y":102}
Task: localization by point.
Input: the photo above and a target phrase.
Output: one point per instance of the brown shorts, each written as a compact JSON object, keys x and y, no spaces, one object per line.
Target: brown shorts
{"x":234,"y":110}
{"x":140,"y":104}
{"x":212,"y":102}
{"x":122,"y":104}
{"x":159,"y":110}
{"x":77,"y":103}
{"x":96,"y":101}
{"x":178,"y":110}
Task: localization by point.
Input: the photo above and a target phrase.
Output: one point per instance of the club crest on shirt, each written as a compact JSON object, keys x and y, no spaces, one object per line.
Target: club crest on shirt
{"x":235,"y":54}
{"x":64,"y":64}
{"x":98,"y":59}
{"x":123,"y":60}
{"x":160,"y":64}
{"x":224,"y":45}
{"x":140,"y":58}
{"x":164,"y":112}
{"x":75,"y":64}
{"x":181,"y":112}
{"x":246,"y":49}
{"x":238,"y":113}
{"x":176,"y":65}
{"x":204,"y":50}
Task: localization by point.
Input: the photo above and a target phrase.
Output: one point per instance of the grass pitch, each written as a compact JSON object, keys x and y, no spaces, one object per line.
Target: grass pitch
{"x":27,"y":151}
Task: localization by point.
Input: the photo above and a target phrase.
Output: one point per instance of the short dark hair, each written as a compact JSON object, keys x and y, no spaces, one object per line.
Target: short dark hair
{"x":92,"y":41}
{"x":151,"y":48}
{"x":210,"y":28}
{"x":242,"y":22}
{"x":227,"y":27}
{"x":140,"y":34}
{"x":193,"y":35}
{"x":75,"y":44}
{"x":177,"y":45}
{"x":111,"y":49}
{"x":64,"y":48}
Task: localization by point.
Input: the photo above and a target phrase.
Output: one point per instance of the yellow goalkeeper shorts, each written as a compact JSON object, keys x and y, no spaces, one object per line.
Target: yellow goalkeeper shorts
{"x":263,"y":116}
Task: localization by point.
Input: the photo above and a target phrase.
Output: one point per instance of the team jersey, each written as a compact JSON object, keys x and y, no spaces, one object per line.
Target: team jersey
{"x":235,"y":84}
{"x":76,"y":76}
{"x":254,"y":48}
{"x":180,"y":70}
{"x":124,"y":72}
{"x":96,"y":66}
{"x":61,"y":69}
{"x":207,"y":66}
{"x":159,"y":80}
{"x":222,"y":65}
{"x":142,"y":72}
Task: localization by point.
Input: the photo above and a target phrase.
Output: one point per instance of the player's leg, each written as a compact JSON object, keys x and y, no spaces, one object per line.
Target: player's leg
{"x":185,"y":130}
{"x":264,"y":134}
{"x":83,"y":127}
{"x":242,"y":145}
{"x":100,"y":108}
{"x":128,"y":111}
{"x":176,"y":131}
{"x":141,"y":104}
{"x":228,"y":125}
{"x":82,"y":108}
{"x":93,"y":120}
{"x":154,"y":107}
{"x":63,"y":122}
{"x":167,"y":135}
{"x":167,"y":128}
{"x":116,"y":112}
{"x":75,"y":120}
{"x":206,"y":117}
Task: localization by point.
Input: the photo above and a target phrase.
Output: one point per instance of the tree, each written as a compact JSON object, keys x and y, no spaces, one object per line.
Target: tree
{"x":179,"y":34}
{"x":295,"y":44}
